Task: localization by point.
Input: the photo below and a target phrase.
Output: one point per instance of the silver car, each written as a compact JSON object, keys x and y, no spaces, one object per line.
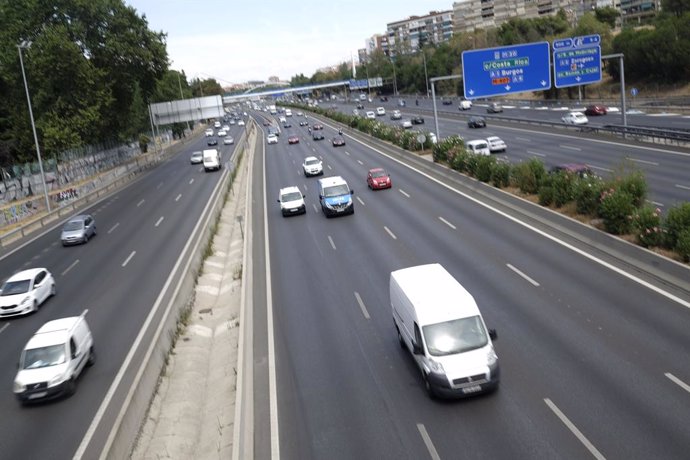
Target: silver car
{"x":78,"y":230}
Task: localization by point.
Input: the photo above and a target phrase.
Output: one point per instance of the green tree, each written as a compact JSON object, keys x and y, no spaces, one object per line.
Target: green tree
{"x":607,"y":15}
{"x":676,"y":7}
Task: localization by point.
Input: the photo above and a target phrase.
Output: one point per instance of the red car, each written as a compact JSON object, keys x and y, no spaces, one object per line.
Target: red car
{"x":596,"y":110}
{"x":338,"y":141}
{"x":317,"y":127}
{"x":293,"y":140}
{"x":378,"y":178}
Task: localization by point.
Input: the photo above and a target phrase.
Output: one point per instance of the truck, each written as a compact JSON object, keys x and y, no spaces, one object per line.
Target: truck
{"x":211,"y":160}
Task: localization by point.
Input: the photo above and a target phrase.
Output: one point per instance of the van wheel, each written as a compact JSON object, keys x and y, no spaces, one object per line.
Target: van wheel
{"x":400,"y":339}
{"x":71,"y":387}
{"x":427,"y":386}
{"x":92,"y":357}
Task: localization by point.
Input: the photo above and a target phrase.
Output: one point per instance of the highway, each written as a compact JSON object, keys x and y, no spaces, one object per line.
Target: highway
{"x":117,"y":275}
{"x":592,"y":348}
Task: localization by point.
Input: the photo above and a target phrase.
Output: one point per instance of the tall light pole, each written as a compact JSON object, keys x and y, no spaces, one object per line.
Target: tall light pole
{"x":395,"y":79}
{"x":426,"y":75}
{"x":179,"y":84}
{"x":23,"y":46}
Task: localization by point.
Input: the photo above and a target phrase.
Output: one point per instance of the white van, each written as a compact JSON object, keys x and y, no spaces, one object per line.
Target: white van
{"x":53,"y":359}
{"x":478,"y":147}
{"x":438,"y":321}
{"x":288,"y":112}
{"x":211,"y":160}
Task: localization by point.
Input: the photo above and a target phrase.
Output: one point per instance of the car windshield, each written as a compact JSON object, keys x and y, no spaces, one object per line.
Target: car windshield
{"x":74,"y":225}
{"x":456,"y":336}
{"x":311,"y":162}
{"x":35,"y":358}
{"x":291,"y":196}
{"x":378,"y":174}
{"x":336,"y":190}
{"x":16,"y":287}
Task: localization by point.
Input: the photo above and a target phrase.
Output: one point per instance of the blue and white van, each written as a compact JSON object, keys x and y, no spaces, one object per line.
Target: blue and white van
{"x":335,"y":196}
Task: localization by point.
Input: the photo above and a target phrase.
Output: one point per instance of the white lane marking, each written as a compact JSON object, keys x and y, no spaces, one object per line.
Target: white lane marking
{"x":329,"y":166}
{"x":523,"y":275}
{"x":600,"y":168}
{"x":360,"y":201}
{"x":546,"y":235}
{"x":427,"y":441}
{"x":523,"y":139}
{"x":404,"y":192}
{"x":678,"y":381}
{"x":331,"y":241}
{"x":347,"y":153}
{"x":532,"y":152}
{"x":360,"y":162}
{"x":568,"y":147}
{"x":177,"y":198}
{"x":4,"y":327}
{"x":390,"y":233}
{"x":113,"y":228}
{"x":578,"y":434}
{"x":140,"y":203}
{"x":191,"y":181}
{"x":684,"y":187}
{"x":72,"y":265}
{"x":128,"y":258}
{"x":656,"y":203}
{"x":361,"y":305}
{"x":652,"y":163}
{"x":158,"y":222}
{"x":446,"y":222}
{"x":315,"y":208}
{"x":159,"y":185}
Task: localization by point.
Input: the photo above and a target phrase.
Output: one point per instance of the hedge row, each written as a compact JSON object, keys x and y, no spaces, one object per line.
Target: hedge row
{"x":619,"y":202}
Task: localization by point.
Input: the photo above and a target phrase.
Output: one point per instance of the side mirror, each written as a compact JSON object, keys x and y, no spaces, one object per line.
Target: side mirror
{"x":320,"y":197}
{"x":304,"y":196}
{"x":417,"y":349}
{"x":278,"y":201}
{"x":352,"y":192}
{"x":493,"y":334}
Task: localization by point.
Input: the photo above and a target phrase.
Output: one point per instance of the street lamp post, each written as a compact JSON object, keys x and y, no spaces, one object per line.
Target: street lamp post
{"x":426,"y":75}
{"x":395,"y":79}
{"x":179,"y":84}
{"x":25,"y":45}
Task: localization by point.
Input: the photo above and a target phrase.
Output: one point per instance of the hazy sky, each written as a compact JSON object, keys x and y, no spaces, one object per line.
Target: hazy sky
{"x":236,"y":41}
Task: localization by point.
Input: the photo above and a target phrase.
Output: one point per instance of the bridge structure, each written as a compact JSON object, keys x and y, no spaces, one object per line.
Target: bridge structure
{"x":352,"y":85}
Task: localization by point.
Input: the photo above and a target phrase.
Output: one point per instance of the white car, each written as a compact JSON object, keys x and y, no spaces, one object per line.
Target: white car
{"x":222,"y":133}
{"x":371,"y":115}
{"x":406,"y":124}
{"x":272,"y":139}
{"x":240,"y":123}
{"x":312,"y":166}
{"x":478,"y":147}
{"x":282,"y":119}
{"x":216,"y":124}
{"x":232,"y":122}
{"x":465,"y":105}
{"x":209,"y":132}
{"x":226,"y":128}
{"x":396,"y":115}
{"x":197,"y":157}
{"x":380,"y":111}
{"x":228,"y":140}
{"x":291,"y":201}
{"x":496,"y":144}
{"x":575,"y":118}
{"x":24,"y":292}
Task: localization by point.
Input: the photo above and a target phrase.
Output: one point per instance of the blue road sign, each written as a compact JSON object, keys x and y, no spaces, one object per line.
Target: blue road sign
{"x":506,"y":70}
{"x":633,"y":92}
{"x":577,"y":61}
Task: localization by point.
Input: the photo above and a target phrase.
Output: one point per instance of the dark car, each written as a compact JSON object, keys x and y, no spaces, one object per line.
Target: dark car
{"x":447,"y":102}
{"x":494,"y":107}
{"x":338,"y":141}
{"x":287,"y":125}
{"x":212,"y":141}
{"x":596,"y":110}
{"x":293,"y":140}
{"x":360,"y":106}
{"x":417,"y":120}
{"x":383,"y":99}
{"x":317,"y":127}
{"x":317,"y":136}
{"x":476,"y":122}
{"x":304,"y":123}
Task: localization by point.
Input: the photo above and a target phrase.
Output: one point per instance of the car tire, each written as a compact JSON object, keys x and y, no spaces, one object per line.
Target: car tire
{"x":71,"y":387}
{"x":94,"y":231}
{"x":92,"y":358}
{"x":86,"y":238}
{"x":52,"y":290}
{"x":427,"y":386}
{"x":35,"y":307}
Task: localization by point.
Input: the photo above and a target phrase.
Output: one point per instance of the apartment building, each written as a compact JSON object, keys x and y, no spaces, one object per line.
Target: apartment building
{"x":409,"y":35}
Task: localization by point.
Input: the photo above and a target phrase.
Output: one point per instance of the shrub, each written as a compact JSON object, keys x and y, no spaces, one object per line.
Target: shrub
{"x":647,"y":225}
{"x":471,"y":164}
{"x":144,"y":143}
{"x":441,"y":149}
{"x":500,"y":174}
{"x":485,"y":164}
{"x":634,"y":184}
{"x":586,"y":193}
{"x":677,"y":220}
{"x":459,"y":158}
{"x":562,"y":184}
{"x":527,"y":176}
{"x":683,"y":245}
{"x":616,"y":209}
{"x":546,"y":195}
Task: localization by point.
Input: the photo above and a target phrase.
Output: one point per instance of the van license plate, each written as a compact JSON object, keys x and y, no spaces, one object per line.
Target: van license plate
{"x":472,"y":389}
{"x":41,"y":394}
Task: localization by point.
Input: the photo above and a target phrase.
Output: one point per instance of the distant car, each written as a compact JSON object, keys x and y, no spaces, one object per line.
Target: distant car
{"x":274,"y":130}
{"x":383,"y":99}
{"x":406,"y":124}
{"x":222,"y":133}
{"x":272,"y":139}
{"x":465,"y":105}
{"x":226,"y":128}
{"x":447,"y":102}
{"x":380,"y":111}
{"x":228,"y":140}
{"x":212,"y":141}
{"x":304,"y":123}
{"x":355,"y":112}
{"x":401,"y":102}
{"x":317,"y":127}
{"x":378,"y":178}
{"x":287,"y":125}
{"x":232,"y":121}
{"x":494,"y":107}
{"x":478,"y":147}
{"x":371,"y":115}
{"x":300,"y":114}
{"x":282,"y":119}
{"x":579,"y":169}
{"x":396,"y":115}
{"x":360,"y":106}
{"x":338,"y":141}
{"x":317,"y":136}
{"x":240,"y":123}
{"x":197,"y":157}
{"x":418,"y":120}
{"x":25,"y":291}
{"x":476,"y":122}
{"x":209,"y":132}
{"x":78,"y":230}
{"x":291,"y":201}
{"x":266,"y":123}
{"x":216,"y":124}
{"x":595,"y":110}
{"x":496,"y":144}
{"x":575,"y":118}
{"x":312,"y":166}
{"x":293,"y":139}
